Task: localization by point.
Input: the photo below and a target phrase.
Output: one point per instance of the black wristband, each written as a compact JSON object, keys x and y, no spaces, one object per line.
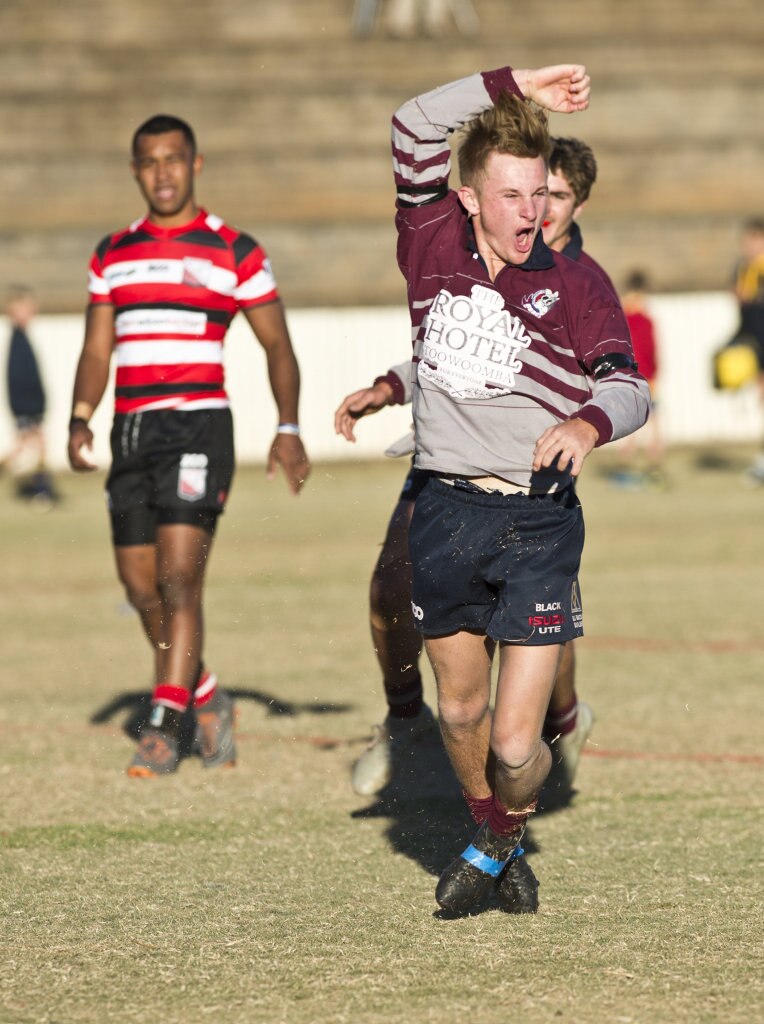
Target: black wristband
{"x":77,"y":419}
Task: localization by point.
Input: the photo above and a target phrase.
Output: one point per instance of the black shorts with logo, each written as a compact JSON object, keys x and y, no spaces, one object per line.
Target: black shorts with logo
{"x":168,"y":466}
{"x":504,"y":566}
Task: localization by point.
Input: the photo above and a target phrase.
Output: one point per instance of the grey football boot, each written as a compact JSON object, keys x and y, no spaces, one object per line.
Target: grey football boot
{"x":393,"y":743}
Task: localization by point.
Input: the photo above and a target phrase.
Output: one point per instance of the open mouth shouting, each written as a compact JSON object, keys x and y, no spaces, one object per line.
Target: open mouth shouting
{"x":524,"y":239}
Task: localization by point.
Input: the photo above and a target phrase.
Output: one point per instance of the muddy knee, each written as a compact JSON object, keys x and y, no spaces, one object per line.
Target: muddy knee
{"x":520,"y":770}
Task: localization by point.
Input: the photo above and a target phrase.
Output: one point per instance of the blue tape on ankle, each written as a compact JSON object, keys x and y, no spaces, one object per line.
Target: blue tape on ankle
{"x":517,"y":852}
{"x":483,"y":862}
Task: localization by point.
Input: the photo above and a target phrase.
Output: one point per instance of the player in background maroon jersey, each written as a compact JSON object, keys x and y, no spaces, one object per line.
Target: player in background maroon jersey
{"x":397,"y":643}
{"x":162,"y":294}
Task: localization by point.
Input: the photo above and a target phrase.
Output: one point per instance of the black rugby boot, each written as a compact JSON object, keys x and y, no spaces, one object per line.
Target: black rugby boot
{"x":471,"y":878}
{"x":517,"y":887}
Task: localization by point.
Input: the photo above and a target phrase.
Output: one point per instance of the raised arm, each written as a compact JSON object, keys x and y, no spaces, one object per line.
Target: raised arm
{"x":561,"y":88}
{"x":270,"y":328}
{"x":420,"y":130}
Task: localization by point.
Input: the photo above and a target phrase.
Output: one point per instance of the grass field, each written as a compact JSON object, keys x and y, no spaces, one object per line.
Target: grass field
{"x":272,"y":893}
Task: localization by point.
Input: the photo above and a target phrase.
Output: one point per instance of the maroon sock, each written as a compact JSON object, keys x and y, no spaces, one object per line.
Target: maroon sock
{"x":504,"y":822}
{"x":560,"y":723}
{"x":480,"y":806}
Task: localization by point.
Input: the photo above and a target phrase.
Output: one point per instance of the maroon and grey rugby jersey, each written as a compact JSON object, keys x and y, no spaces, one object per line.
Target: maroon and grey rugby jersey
{"x":497,"y":362}
{"x":174,"y":292}
{"x":399,"y":376}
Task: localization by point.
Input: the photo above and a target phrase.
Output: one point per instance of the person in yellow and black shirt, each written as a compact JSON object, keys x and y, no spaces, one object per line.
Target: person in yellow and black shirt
{"x":749,"y":289}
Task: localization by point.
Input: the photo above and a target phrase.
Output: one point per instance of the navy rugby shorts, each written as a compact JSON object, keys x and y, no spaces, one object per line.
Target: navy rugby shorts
{"x":503,"y":566}
{"x":413,"y":484}
{"x":168,"y":467}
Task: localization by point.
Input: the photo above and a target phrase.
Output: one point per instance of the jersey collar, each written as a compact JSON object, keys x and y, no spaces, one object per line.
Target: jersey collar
{"x":181,"y":229}
{"x":575,"y":245}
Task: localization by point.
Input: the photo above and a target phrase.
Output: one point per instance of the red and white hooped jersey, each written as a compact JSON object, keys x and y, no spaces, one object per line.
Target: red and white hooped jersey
{"x":174,"y":293}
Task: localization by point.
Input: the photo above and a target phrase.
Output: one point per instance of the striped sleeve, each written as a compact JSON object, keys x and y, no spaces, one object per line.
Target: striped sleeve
{"x":99,"y":291}
{"x":620,"y":404}
{"x":620,"y":400}
{"x":420,"y":130}
{"x":256,"y":284}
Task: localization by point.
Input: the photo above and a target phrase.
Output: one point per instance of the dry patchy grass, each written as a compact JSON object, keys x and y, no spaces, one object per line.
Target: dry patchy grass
{"x":271,"y":893}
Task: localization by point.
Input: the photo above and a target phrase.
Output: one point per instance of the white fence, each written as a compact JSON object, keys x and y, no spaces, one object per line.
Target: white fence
{"x":341,"y":350}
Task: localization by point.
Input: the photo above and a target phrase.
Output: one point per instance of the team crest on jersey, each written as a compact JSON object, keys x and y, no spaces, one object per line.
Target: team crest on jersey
{"x":196,"y":272}
{"x":539,"y":303}
{"x":192,"y":477}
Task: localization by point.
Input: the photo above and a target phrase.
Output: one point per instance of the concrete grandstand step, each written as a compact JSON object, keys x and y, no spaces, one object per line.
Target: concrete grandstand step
{"x":293,"y":114}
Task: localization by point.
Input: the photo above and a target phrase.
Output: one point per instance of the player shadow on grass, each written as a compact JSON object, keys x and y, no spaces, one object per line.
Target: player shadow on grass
{"x":428,"y":820}
{"x":138,"y":705}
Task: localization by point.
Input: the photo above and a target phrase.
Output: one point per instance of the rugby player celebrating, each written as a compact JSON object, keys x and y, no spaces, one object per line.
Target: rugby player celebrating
{"x":522,"y":364}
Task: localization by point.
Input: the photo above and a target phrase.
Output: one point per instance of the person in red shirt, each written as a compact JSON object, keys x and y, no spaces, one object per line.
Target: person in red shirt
{"x":648,"y":440}
{"x":162,"y":294}
{"x":641,"y":326}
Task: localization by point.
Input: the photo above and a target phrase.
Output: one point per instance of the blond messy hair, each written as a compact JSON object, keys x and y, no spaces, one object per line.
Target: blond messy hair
{"x":513,"y":126}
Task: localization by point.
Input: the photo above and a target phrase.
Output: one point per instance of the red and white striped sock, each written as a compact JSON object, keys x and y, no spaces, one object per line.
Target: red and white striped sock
{"x":205,"y":688}
{"x":175,"y":697}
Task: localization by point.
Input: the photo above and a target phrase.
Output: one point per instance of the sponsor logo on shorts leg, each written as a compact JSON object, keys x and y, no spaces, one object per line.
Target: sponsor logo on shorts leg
{"x":576,"y":611}
{"x":417,"y":612}
{"x":548,"y":618}
{"x":192,"y":477}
